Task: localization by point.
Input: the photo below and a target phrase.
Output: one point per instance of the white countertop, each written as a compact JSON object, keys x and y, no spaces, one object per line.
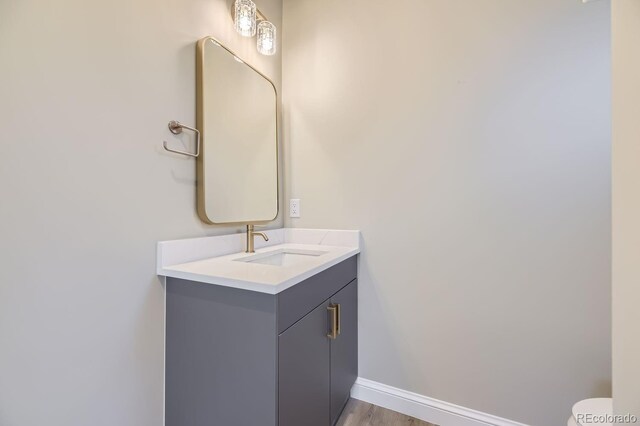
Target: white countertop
{"x":213,"y":260}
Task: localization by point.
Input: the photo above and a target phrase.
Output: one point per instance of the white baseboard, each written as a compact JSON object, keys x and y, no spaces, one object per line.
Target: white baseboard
{"x":422,"y":407}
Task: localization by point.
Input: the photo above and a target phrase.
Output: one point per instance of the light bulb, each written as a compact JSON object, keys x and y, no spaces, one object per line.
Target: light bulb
{"x":266,"y":38}
{"x":245,"y":17}
{"x":244,"y":23}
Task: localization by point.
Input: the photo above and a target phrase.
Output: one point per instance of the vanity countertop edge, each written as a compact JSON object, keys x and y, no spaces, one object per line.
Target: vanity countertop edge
{"x":214,"y":260}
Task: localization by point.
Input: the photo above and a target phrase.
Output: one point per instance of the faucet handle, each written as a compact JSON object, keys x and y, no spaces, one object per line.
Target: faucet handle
{"x":251,"y":226}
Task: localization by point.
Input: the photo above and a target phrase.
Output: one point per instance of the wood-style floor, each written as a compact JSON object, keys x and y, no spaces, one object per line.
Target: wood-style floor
{"x":358,"y":413}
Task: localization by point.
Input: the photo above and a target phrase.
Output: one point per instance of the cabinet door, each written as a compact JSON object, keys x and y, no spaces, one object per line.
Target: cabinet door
{"x":304,"y":371}
{"x":344,"y":349}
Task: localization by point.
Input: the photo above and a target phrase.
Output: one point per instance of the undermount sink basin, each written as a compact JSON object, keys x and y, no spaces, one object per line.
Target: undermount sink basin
{"x":282,"y":257}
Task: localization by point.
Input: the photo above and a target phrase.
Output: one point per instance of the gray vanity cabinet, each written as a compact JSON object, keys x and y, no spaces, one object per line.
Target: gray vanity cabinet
{"x":243,"y":358}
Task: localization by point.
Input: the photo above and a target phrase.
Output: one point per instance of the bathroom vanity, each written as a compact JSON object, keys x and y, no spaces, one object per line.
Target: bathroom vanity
{"x":260,"y":339}
{"x":253,"y":339}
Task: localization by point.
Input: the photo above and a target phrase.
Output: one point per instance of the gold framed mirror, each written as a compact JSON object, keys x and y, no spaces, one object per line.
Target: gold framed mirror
{"x":237,"y":115}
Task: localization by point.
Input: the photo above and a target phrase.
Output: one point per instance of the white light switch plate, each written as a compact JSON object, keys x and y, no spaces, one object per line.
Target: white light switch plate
{"x":294,"y":207}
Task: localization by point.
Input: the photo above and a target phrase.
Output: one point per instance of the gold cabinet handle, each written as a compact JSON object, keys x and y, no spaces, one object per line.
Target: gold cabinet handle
{"x":335,"y":321}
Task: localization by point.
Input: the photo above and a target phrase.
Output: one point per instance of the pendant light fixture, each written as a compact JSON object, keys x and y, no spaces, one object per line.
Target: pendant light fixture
{"x":266,"y":38}
{"x":249,"y":21}
{"x":245,"y":17}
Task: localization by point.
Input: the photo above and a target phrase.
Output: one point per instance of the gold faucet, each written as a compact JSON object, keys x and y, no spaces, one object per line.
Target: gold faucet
{"x":250,"y":234}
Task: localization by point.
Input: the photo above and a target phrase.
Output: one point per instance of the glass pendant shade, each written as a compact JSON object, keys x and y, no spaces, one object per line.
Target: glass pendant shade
{"x":266,"y":38}
{"x":245,"y":17}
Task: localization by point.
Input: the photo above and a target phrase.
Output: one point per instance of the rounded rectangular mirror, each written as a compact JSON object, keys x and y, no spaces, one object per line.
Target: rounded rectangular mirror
{"x":237,"y":118}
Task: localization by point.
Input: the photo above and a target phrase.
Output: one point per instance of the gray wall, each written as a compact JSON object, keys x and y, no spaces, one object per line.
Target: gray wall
{"x":626,"y":206}
{"x":86,"y":190}
{"x":470,"y":142}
